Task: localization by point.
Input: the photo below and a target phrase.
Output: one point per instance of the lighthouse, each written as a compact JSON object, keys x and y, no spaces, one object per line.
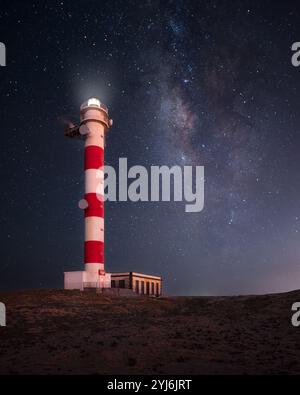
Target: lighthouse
{"x":94,"y":124}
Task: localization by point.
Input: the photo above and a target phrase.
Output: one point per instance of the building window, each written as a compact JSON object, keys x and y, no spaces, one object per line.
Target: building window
{"x":121,"y":283}
{"x":113,"y":283}
{"x":148,"y":288}
{"x":152,"y":289}
{"x":137,"y":286}
{"x":143,"y":287}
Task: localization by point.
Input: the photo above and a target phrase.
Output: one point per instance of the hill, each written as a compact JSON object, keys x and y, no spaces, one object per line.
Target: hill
{"x":68,"y":332}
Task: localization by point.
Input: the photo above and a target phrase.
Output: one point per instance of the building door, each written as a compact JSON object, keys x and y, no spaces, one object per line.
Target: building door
{"x":137,"y":286}
{"x":143,"y":287}
{"x":148,"y":288}
{"x":152,"y":289}
{"x":121,"y":283}
{"x":157,"y":289}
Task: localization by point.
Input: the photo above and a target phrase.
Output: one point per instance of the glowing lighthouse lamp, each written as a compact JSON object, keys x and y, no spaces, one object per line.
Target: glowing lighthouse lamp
{"x":94,"y":123}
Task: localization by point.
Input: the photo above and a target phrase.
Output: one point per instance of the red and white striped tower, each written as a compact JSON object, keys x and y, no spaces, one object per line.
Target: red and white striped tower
{"x":94,"y":123}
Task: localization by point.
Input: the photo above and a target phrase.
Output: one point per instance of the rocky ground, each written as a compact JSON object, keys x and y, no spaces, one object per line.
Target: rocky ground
{"x":68,"y":332}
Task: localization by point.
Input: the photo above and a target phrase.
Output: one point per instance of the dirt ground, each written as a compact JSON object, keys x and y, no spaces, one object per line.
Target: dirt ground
{"x":68,"y":332}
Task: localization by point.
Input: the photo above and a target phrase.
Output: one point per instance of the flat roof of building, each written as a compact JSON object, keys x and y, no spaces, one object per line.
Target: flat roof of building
{"x":136,"y":275}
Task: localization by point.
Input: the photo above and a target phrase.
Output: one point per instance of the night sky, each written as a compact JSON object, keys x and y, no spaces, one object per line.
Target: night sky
{"x":207,"y":83}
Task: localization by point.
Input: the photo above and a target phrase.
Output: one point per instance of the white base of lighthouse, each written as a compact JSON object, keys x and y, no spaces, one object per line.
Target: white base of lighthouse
{"x":84,"y":279}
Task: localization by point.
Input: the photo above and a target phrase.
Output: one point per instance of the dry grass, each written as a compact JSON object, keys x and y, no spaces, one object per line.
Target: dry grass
{"x":68,"y":332}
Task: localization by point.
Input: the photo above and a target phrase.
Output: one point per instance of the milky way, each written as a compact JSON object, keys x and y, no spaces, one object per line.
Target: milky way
{"x":187,"y":83}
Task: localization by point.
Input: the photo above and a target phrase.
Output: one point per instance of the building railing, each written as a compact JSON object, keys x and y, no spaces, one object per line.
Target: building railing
{"x":91,"y":284}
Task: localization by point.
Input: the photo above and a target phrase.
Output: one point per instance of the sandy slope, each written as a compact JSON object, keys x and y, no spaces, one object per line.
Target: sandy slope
{"x":67,"y":332}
